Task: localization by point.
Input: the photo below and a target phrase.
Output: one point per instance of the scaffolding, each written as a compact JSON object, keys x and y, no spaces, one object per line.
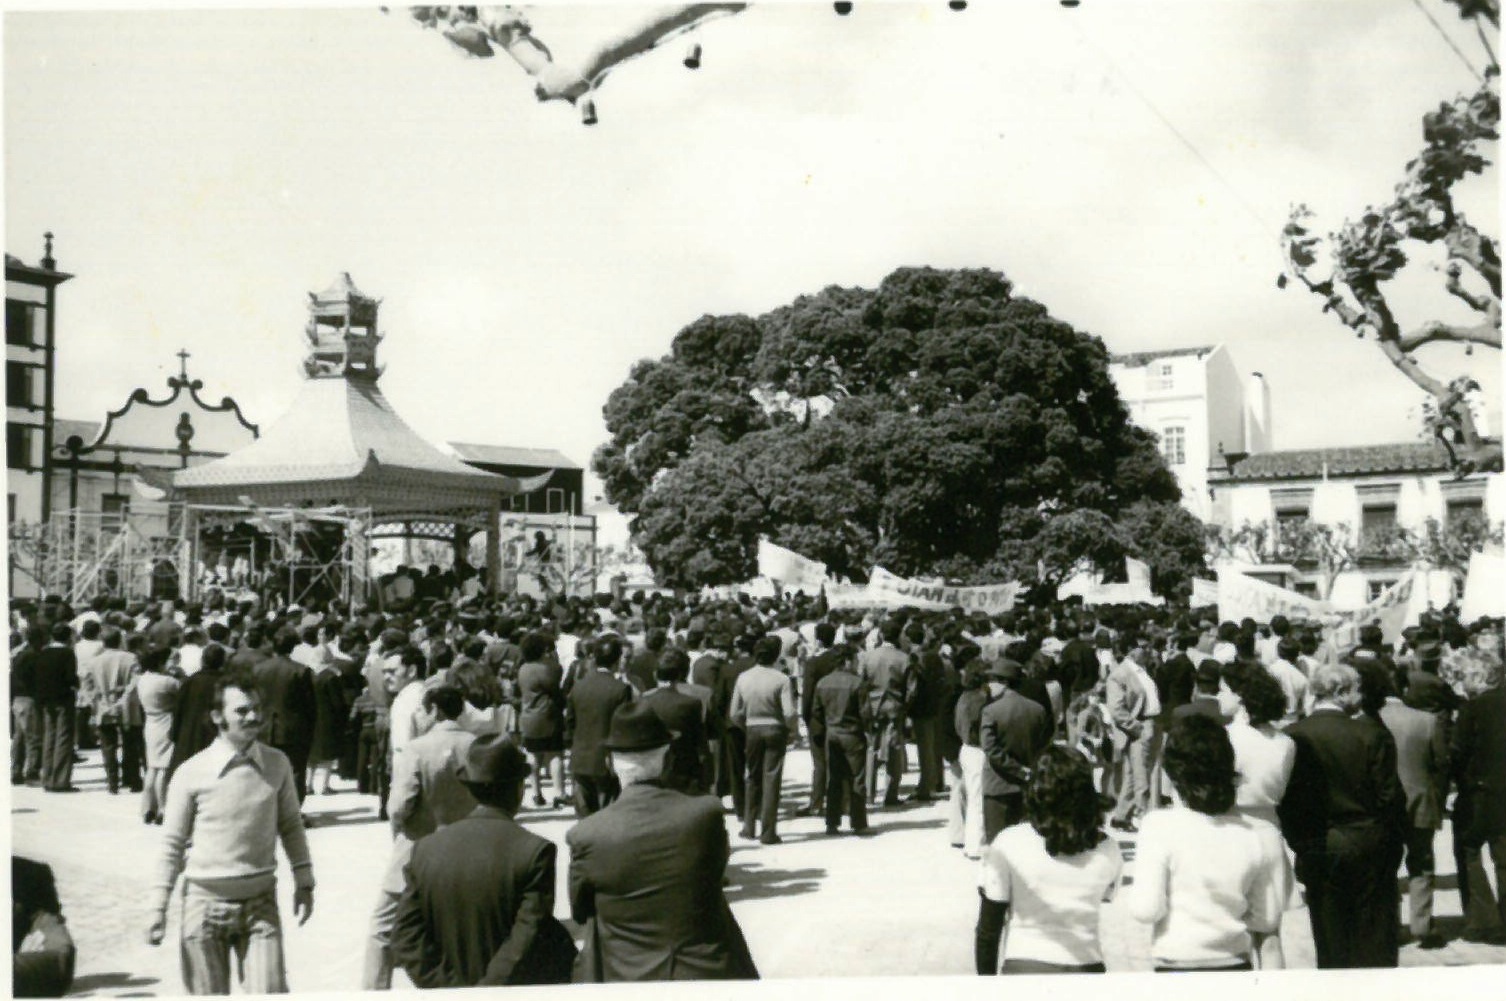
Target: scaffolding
{"x":161,"y":552}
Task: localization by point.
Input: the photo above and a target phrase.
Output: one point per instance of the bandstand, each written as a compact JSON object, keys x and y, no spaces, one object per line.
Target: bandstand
{"x":340,"y":469}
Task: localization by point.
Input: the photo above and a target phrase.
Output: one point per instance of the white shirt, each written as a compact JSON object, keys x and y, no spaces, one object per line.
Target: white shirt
{"x":1264,"y":758}
{"x":404,"y":715}
{"x":1054,"y":902}
{"x":190,"y":656}
{"x":1299,"y":701}
{"x":1205,"y":883}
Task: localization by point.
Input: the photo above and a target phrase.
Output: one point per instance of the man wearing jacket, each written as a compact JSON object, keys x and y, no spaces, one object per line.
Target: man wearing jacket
{"x":1013,"y":731}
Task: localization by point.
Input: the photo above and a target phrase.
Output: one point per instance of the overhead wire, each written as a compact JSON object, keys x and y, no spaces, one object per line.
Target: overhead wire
{"x":1451,"y":44}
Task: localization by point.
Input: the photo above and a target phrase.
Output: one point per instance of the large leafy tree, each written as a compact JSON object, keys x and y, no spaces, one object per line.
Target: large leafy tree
{"x":938,"y":424}
{"x":1363,"y":255}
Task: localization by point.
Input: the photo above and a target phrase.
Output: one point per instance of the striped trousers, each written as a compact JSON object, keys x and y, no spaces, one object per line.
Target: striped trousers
{"x":213,"y":928}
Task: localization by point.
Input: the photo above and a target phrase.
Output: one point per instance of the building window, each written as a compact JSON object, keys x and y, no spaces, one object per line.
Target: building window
{"x":20,"y":384}
{"x":1309,"y":588}
{"x":10,"y":509}
{"x":1376,"y":588}
{"x":18,"y":446}
{"x":114,"y":508}
{"x":1463,"y":510}
{"x":554,"y":501}
{"x":1174,"y":445}
{"x":1159,"y":377}
{"x":18,"y":323}
{"x":1377,"y":527}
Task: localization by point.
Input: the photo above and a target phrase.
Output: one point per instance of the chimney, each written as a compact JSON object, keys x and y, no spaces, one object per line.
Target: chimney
{"x":47,"y":260}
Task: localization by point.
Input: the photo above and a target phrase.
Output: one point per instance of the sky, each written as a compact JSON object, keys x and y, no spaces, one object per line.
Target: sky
{"x":1129,"y":164}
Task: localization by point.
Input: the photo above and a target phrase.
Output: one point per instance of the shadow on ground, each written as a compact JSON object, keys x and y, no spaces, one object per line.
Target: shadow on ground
{"x":92,"y":982}
{"x":756,"y":882}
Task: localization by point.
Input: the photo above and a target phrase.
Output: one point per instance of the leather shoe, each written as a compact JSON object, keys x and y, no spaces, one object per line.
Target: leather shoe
{"x":1485,"y":938}
{"x":771,"y":839}
{"x":1432,"y":941}
{"x":864,"y":832}
{"x":832,"y":832}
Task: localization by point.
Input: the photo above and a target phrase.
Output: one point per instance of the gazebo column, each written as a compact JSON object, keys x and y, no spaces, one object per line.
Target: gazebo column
{"x":494,"y":546}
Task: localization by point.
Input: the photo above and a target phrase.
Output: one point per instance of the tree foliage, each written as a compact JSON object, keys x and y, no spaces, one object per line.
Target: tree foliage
{"x":938,"y":424}
{"x":1364,"y":254}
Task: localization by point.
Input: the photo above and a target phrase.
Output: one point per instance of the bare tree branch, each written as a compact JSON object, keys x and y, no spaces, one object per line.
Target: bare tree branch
{"x":1488,"y":334}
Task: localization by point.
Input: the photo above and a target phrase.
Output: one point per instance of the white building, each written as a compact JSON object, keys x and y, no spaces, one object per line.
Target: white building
{"x":1200,"y":406}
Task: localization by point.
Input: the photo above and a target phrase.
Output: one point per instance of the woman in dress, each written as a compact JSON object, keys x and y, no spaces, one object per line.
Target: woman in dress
{"x":158,"y":692}
{"x":1206,"y":881}
{"x":541,"y":720}
{"x":331,"y":715}
{"x":1046,"y":879}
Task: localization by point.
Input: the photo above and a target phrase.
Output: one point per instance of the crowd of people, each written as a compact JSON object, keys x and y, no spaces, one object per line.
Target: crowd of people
{"x":1247,"y":758}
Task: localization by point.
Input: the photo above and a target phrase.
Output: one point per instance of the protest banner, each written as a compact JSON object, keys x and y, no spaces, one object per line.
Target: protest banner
{"x":1204,"y":592}
{"x":793,"y":571}
{"x":1391,"y":610}
{"x":1484,"y":588}
{"x":892,"y":590}
{"x":1240,"y":596}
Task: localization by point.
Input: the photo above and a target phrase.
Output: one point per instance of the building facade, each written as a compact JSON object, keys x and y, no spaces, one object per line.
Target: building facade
{"x":1347,"y":522}
{"x":30,"y":361}
{"x":1196,"y":401}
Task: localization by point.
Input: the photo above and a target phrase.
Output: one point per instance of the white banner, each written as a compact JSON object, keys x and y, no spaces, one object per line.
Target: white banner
{"x":1391,"y":609}
{"x":1136,"y":572}
{"x":850,"y":596}
{"x":890,"y":590}
{"x":793,"y":571}
{"x":1240,"y":595}
{"x":1484,"y":588}
{"x":1204,"y":592}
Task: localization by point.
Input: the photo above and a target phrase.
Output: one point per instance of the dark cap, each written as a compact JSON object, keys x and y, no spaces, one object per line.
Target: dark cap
{"x":636,"y":727}
{"x":494,"y":760}
{"x":1207,"y":673}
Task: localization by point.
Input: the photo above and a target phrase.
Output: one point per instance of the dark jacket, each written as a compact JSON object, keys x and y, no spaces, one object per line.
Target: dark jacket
{"x":1078,"y":665}
{"x":816,"y":668}
{"x":1200,"y":705}
{"x":841,"y":707}
{"x":56,"y":676}
{"x":44,"y":970}
{"x":479,"y":908}
{"x":689,"y":766}
{"x":1344,"y":777}
{"x":646,"y":882}
{"x":540,"y":692}
{"x":588,"y":712}
{"x":193,"y":730}
{"x":287,"y":702}
{"x":1175,"y":682}
{"x":1013,"y":732}
{"x":1478,"y":761}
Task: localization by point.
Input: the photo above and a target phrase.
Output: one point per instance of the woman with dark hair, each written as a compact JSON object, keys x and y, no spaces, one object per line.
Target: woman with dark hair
{"x":1204,"y":877}
{"x":1252,"y":699}
{"x":486,"y":710}
{"x":1047,"y":878}
{"x":542,"y":717}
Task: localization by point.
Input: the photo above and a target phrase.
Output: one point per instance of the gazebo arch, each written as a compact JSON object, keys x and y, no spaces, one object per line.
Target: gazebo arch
{"x":341,"y":447}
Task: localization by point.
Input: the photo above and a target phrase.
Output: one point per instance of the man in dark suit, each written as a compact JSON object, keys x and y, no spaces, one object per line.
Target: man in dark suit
{"x":1078,"y":662}
{"x":588,"y":716}
{"x":1204,"y":701}
{"x":646,"y":873}
{"x":688,"y":768}
{"x":56,"y":683}
{"x":479,"y":904}
{"x":827,"y":660}
{"x":254,"y":649}
{"x":732,"y":778}
{"x":1344,"y":816}
{"x":886,"y":669}
{"x":1013,"y":731}
{"x":1478,"y":761}
{"x":288,"y":706}
{"x":840,"y":715}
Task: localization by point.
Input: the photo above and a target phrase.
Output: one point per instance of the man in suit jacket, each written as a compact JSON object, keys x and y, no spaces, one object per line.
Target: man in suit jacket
{"x":886,"y":668}
{"x":1128,"y":695}
{"x":827,"y":660}
{"x":646,"y":873}
{"x":1204,"y":701}
{"x":1422,"y":763}
{"x":689,"y":764}
{"x":840,"y":716}
{"x":1478,"y":760}
{"x":1344,"y":816}
{"x":479,"y":904}
{"x":588,"y":716}
{"x":426,"y":795}
{"x":1013,"y":731}
{"x":288,"y":705}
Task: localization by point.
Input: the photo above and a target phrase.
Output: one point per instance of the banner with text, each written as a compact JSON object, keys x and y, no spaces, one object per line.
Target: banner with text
{"x":891,"y":589}
{"x":1240,"y":595}
{"x":1391,"y":609}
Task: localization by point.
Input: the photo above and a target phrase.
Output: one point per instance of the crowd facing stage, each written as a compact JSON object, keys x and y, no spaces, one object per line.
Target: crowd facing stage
{"x":1247,"y":759}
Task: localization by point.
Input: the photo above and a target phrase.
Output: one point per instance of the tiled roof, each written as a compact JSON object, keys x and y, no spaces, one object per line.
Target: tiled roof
{"x":1348,"y":460}
{"x":507,"y":455}
{"x":1142,"y":358}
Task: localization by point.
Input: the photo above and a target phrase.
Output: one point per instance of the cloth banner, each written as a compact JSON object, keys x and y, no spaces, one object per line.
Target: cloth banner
{"x":1135,"y":590}
{"x":1204,"y":592}
{"x":851,"y":596}
{"x":1240,"y":595}
{"x":793,"y":571}
{"x":1484,"y":588}
{"x":891,"y":590}
{"x":1391,"y":609}
{"x":1136,"y":572}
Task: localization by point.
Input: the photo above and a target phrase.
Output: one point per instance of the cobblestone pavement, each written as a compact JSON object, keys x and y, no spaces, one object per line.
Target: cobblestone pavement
{"x":900,"y":904}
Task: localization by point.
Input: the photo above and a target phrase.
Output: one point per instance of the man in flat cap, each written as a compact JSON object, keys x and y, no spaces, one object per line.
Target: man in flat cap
{"x":1013,"y":731}
{"x":646,"y":872}
{"x":479,"y":904}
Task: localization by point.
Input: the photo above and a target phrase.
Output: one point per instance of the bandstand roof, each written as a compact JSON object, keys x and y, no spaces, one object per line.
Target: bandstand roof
{"x":342,"y":443}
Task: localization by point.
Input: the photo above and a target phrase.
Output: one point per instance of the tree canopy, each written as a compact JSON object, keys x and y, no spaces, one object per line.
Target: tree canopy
{"x":936,"y":425}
